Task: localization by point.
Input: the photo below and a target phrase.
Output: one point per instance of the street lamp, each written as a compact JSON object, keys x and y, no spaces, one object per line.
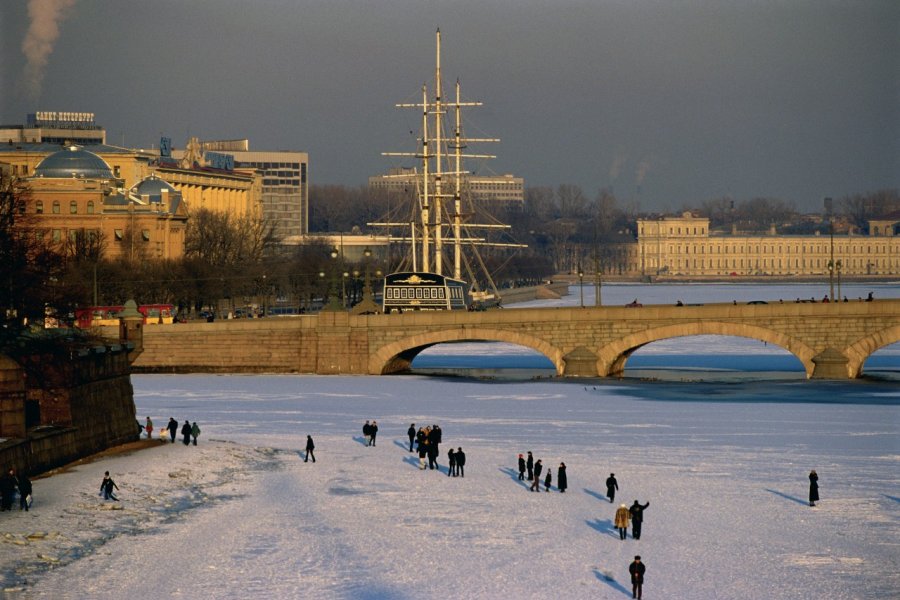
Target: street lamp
{"x":581,"y":285}
{"x":838,"y":265}
{"x":333,"y":303}
{"x":831,"y":279}
{"x":597,"y":297}
{"x":831,"y":260}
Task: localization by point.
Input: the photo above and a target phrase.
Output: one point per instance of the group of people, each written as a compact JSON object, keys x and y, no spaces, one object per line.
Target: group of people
{"x":535,"y":468}
{"x":189,"y":431}
{"x":10,"y":484}
{"x":370,"y":432}
{"x":428,"y":445}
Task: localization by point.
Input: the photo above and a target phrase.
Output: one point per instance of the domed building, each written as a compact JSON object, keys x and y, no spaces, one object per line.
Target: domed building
{"x":75,"y":196}
{"x":74,"y":162}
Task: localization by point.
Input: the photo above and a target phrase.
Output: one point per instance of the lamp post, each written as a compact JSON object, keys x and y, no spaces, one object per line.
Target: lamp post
{"x":333,"y":303}
{"x":597,"y":297}
{"x":831,"y":260}
{"x":367,"y":305}
{"x":838,"y":265}
{"x":581,"y":285}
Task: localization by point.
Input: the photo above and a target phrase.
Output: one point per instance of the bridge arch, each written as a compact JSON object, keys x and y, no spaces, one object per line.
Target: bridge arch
{"x":859,"y":351}
{"x":612,"y":358}
{"x":399,"y":354}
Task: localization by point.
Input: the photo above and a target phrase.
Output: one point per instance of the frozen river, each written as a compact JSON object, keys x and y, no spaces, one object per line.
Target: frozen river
{"x":722,"y":462}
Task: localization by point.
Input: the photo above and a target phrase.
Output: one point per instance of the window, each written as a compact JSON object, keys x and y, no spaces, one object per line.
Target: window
{"x":73,"y":207}
{"x":90,"y":207}
{"x":39,"y":207}
{"x":56,"y":207}
{"x":119,"y":234}
{"x":56,"y":235}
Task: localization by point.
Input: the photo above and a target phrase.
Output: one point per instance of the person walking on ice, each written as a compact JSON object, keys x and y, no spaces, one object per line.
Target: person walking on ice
{"x":411,"y":432}
{"x":310,"y":446}
{"x":173,"y":429}
{"x":148,"y":427}
{"x":530,"y":464}
{"x":460,"y":462}
{"x":195,"y":432}
{"x":621,"y":521}
{"x":637,"y":570}
{"x":451,"y":458}
{"x":637,"y":518}
{"x":813,"y":488}
{"x":611,"y":486}
{"x":107,"y":486}
{"x":562,"y":480}
{"x":521,"y":468}
{"x":186,"y":432}
{"x":548,"y":479}
{"x":536,"y":484}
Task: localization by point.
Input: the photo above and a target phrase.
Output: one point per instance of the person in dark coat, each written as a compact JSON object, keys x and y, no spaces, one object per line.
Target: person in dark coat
{"x":367,"y":433}
{"x":460,"y":462}
{"x":536,"y":484}
{"x":411,"y":432}
{"x":7,"y":489}
{"x":310,"y":446}
{"x":547,"y":480}
{"x":611,"y":486}
{"x":373,"y":429}
{"x":186,"y":432}
{"x":433,"y":452}
{"x":24,"y":491}
{"x":107,"y":486}
{"x":423,"y":451}
{"x":813,"y":488}
{"x":195,"y":432}
{"x":637,"y":518}
{"x":173,"y":429}
{"x":521,"y":468}
{"x":530,"y":464}
{"x":637,"y":570}
{"x":451,"y":458}
{"x":562,"y":481}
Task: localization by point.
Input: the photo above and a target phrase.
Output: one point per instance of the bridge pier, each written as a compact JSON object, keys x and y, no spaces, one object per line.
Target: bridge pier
{"x":830,"y":364}
{"x":580,"y":362}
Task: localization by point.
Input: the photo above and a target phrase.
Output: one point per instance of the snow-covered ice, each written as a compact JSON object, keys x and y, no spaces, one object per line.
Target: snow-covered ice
{"x":724,"y":467}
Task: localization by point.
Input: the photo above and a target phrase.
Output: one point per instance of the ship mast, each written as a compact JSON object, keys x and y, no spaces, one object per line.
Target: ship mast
{"x":438,"y":171}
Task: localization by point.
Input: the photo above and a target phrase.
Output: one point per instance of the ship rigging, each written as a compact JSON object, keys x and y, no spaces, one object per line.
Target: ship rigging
{"x":441,"y":232}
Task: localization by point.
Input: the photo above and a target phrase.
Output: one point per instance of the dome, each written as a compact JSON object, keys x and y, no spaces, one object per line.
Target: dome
{"x":153,"y":187}
{"x":73,"y":161}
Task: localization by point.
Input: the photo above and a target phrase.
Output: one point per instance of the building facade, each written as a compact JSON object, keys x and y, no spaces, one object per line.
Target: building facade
{"x":284,"y":188}
{"x":51,"y":127}
{"x":492,"y":191}
{"x":75,"y":198}
{"x":684,"y":246}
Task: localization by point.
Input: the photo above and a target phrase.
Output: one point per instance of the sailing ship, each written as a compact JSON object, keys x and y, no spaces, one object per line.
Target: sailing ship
{"x":443,"y":269}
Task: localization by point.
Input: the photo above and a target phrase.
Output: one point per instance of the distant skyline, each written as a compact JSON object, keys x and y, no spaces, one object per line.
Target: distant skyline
{"x":667,"y":103}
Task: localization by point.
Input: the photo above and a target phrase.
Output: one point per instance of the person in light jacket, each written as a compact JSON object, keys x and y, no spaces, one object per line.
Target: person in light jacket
{"x":623,"y":516}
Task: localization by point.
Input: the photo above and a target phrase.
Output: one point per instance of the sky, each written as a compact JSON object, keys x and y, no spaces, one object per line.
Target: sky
{"x":667,"y":103}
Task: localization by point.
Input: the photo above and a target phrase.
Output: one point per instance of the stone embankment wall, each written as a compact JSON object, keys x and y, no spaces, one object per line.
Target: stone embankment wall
{"x":55,"y":409}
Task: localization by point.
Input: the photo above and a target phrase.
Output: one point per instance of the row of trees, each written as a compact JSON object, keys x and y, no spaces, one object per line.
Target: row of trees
{"x":238,"y":258}
{"x":566,"y":228}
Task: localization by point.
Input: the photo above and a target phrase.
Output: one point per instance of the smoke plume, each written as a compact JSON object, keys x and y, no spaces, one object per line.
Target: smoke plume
{"x":617,"y":164}
{"x":641,"y":172}
{"x":45,"y":17}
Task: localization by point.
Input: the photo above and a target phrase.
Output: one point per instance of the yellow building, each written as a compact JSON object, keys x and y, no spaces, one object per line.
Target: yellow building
{"x":684,"y":246}
{"x":73,"y":193}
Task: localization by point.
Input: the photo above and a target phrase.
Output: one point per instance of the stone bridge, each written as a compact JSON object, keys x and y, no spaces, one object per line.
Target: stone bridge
{"x":832,"y":341}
